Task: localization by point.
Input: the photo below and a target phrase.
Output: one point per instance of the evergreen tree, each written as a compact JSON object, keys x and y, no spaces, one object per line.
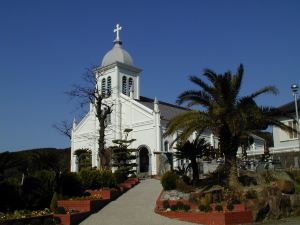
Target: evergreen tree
{"x":123,"y":157}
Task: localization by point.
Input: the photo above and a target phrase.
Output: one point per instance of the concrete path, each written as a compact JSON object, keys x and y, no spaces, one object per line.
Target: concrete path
{"x":135,"y":207}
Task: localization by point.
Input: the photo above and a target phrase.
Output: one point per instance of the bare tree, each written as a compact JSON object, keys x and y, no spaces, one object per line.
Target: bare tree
{"x":90,"y":93}
{"x":64,"y":127}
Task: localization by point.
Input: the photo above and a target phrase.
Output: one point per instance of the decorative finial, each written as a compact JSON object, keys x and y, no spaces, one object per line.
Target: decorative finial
{"x":117,"y":31}
{"x":156,"y":107}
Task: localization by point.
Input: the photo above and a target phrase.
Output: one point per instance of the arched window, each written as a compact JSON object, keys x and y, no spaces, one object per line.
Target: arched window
{"x":124,"y":85}
{"x":103,"y":86}
{"x":130,"y":85}
{"x":108,"y":86}
{"x":166,"y":146}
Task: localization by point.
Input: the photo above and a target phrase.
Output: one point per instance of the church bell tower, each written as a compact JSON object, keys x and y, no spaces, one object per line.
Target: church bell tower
{"x":117,"y":73}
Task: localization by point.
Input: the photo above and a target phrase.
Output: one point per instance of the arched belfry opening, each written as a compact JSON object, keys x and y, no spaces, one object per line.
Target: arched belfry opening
{"x":143,"y":160}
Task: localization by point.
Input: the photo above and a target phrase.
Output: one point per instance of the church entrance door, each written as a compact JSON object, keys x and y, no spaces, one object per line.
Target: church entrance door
{"x":144,"y":160}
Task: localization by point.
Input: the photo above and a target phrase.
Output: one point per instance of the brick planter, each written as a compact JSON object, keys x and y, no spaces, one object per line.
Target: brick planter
{"x":238,"y":216}
{"x":106,"y":193}
{"x":111,"y":194}
{"x":83,"y":205}
{"x":211,"y":218}
{"x":72,"y":219}
{"x":126,"y":186}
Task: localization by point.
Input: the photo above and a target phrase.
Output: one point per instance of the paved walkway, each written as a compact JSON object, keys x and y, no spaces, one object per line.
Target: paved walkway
{"x":135,"y":207}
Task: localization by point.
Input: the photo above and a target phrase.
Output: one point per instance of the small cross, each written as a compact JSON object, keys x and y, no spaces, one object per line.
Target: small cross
{"x":117,"y":30}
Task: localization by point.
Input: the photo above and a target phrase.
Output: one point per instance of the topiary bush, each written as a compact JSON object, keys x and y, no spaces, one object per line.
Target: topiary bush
{"x":120,"y":176}
{"x":205,"y":208}
{"x":219,"y":208}
{"x":168,"y":180}
{"x":230,"y":206}
{"x":70,"y":185}
{"x":108,"y":179}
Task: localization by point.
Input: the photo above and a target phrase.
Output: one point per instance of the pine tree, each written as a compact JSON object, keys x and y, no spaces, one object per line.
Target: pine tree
{"x":123,"y":157}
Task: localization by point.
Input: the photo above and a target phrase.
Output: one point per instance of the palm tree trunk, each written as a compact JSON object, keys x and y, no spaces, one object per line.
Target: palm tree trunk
{"x":195,"y":170}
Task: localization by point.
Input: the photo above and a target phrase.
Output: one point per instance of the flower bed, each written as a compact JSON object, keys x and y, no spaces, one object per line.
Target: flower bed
{"x":26,"y":220}
{"x":239,"y":215}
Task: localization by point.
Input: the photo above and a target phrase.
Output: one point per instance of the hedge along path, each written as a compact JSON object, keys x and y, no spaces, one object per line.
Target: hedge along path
{"x":135,"y":207}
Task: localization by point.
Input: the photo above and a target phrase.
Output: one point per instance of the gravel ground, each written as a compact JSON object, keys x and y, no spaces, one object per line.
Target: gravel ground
{"x":135,"y":207}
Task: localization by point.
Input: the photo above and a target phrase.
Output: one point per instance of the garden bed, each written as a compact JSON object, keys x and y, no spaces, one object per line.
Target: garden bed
{"x":239,"y":214}
{"x":26,"y":220}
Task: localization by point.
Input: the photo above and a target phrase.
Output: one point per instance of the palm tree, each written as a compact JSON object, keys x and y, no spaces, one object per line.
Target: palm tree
{"x":224,"y":112}
{"x":191,"y":151}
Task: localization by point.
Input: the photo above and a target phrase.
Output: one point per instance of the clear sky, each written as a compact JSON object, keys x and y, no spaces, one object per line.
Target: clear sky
{"x":45,"y":46}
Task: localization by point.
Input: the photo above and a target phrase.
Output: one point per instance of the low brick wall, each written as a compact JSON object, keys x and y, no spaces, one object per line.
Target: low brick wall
{"x":83,"y":205}
{"x":72,"y":219}
{"x":240,"y":215}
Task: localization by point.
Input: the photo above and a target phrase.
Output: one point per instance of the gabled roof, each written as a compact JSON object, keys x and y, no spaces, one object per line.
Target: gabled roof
{"x":290,"y":107}
{"x":167,"y":110}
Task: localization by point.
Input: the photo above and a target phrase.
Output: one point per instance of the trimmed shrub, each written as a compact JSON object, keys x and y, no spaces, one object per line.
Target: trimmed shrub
{"x":168,"y":180}
{"x":70,"y":185}
{"x":166,"y":204}
{"x":173,"y":207}
{"x":90,"y":179}
{"x":108,"y":179}
{"x":219,"y":208}
{"x":120,"y":176}
{"x":230,"y":206}
{"x":205,"y":208}
{"x":186,"y":207}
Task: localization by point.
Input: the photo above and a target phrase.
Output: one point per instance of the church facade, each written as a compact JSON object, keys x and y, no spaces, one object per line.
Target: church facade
{"x":119,"y":80}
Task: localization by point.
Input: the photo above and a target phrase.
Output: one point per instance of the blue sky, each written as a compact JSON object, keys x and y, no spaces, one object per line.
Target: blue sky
{"x":45,"y":46}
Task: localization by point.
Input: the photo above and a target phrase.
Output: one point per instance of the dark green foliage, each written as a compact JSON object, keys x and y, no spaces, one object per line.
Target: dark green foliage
{"x":123,"y":157}
{"x":219,"y":208}
{"x":120,"y":176}
{"x":90,"y":179}
{"x":9,"y":197}
{"x":230,"y":206}
{"x":34,"y":194}
{"x":60,"y":210}
{"x":182,"y":206}
{"x":191,"y":151}
{"x":166,"y":204}
{"x":95,"y":179}
{"x":49,"y":221}
{"x":205,"y":208}
{"x":168,"y":180}
{"x":70,"y":185}
{"x":173,"y":207}
{"x":53,"y":204}
{"x":108,"y":179}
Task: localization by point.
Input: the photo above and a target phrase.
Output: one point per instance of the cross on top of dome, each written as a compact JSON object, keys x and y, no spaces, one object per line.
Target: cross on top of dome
{"x":117,"y":31}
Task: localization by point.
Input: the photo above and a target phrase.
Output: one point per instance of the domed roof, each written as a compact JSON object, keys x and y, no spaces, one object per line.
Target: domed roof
{"x":117,"y":54}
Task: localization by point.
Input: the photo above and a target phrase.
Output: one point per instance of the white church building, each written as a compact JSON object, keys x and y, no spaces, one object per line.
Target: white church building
{"x":119,"y":78}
